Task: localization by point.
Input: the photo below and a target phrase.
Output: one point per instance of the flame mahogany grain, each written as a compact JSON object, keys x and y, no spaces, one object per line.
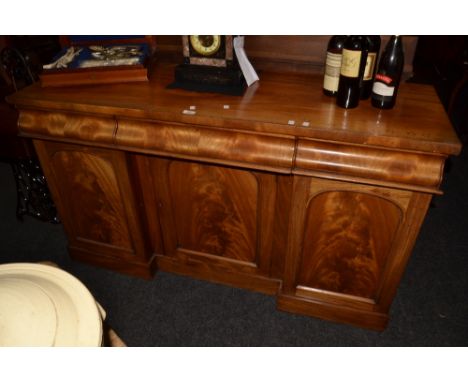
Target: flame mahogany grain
{"x":346,"y":250}
{"x":323,"y":217}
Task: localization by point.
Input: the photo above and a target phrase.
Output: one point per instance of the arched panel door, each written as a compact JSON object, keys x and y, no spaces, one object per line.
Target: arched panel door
{"x":346,"y":249}
{"x":96,"y":202}
{"x":348,"y":236}
{"x":217,"y":222}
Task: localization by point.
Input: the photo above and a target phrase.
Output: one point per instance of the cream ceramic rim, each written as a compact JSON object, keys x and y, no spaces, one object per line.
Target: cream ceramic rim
{"x":41,"y":305}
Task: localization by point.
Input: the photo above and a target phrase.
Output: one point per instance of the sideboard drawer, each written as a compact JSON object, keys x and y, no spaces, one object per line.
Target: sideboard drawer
{"x":67,"y":126}
{"x":258,"y":151}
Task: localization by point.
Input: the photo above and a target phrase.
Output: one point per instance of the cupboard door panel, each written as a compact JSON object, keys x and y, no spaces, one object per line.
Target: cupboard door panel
{"x":89,"y":187}
{"x":215,"y":210}
{"x":347,"y":239}
{"x":345,"y":242}
{"x":93,"y":197}
{"x":347,"y":247}
{"x":217,"y":221}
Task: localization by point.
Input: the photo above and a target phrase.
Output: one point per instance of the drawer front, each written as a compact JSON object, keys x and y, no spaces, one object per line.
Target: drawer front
{"x":67,"y":126}
{"x":263,"y":152}
{"x":335,"y":160}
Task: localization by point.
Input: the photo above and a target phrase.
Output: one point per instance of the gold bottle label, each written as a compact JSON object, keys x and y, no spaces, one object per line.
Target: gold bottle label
{"x":370,"y":64}
{"x":350,"y":63}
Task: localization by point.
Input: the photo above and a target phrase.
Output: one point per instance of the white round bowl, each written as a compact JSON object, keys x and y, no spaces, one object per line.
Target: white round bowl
{"x":41,"y":305}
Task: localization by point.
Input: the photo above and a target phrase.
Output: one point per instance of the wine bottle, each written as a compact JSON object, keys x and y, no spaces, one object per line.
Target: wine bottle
{"x":373,"y":49}
{"x":352,"y":70}
{"x":333,"y":65}
{"x":387,"y":78}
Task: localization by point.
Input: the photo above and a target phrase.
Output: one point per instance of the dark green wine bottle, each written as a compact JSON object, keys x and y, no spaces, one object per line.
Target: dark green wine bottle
{"x":373,"y":48}
{"x":387,"y":78}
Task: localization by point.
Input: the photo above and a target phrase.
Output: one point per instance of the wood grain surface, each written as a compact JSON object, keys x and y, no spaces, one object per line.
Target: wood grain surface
{"x":278,"y":104}
{"x":212,"y":145}
{"x":95,"y":199}
{"x":345,"y":248}
{"x":415,"y":169}
{"x":291,"y":53}
{"x":348,"y":236}
{"x":215,"y":217}
{"x":278,"y":191}
{"x":215,"y":210}
{"x":68,"y":126}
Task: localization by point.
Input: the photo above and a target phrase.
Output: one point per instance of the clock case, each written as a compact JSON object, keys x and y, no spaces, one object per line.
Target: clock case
{"x":218,"y":72}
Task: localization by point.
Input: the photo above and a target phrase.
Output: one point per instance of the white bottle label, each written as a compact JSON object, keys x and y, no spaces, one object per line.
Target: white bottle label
{"x":382,"y":89}
{"x":332,"y":71}
{"x":351,"y":63}
{"x":331,"y":83}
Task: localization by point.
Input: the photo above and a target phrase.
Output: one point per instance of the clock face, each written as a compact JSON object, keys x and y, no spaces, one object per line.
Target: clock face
{"x":205,"y":45}
{"x":208,"y":50}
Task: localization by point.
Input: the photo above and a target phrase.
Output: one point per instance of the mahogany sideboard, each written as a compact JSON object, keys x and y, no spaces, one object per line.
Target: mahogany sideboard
{"x":278,"y":191}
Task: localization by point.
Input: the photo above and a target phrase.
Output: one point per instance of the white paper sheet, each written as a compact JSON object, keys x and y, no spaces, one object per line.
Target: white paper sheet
{"x":248,"y":71}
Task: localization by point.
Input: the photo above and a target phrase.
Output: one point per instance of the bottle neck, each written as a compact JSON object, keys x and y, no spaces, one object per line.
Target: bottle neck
{"x":395,"y":42}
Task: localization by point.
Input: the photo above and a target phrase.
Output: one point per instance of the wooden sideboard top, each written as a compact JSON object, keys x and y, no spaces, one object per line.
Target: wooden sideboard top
{"x":279,"y":104}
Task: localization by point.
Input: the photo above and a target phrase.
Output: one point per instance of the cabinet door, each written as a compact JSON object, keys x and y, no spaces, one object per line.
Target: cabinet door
{"x":93,"y":193}
{"x":348,"y":244}
{"x":217,"y":221}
